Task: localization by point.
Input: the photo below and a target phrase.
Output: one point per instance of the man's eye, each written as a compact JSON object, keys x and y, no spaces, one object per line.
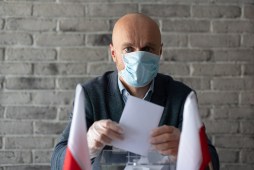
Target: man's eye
{"x":147,"y":49}
{"x":128,"y":49}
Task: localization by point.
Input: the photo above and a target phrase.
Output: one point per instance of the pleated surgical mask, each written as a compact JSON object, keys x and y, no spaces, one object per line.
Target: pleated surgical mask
{"x":140,"y":68}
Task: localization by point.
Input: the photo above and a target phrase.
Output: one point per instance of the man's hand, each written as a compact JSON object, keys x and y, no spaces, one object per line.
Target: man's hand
{"x":165,"y":140}
{"x":101,"y":133}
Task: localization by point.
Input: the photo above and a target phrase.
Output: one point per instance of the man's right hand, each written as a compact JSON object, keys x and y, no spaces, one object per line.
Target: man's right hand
{"x":101,"y":133}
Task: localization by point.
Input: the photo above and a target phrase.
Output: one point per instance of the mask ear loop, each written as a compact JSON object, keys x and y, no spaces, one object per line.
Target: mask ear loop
{"x":120,"y":72}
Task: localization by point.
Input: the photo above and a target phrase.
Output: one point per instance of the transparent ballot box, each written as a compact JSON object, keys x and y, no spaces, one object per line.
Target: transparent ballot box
{"x":123,"y":160}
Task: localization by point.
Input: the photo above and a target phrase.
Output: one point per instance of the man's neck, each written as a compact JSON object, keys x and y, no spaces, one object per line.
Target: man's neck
{"x":139,"y":92}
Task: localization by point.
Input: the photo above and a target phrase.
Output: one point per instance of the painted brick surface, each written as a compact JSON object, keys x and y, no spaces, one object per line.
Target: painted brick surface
{"x":48,"y":46}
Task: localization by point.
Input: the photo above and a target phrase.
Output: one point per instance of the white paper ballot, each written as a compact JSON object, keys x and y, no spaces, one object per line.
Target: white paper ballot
{"x":139,"y":117}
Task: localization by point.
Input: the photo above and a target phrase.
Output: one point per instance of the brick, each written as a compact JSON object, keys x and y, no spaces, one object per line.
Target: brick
{"x":1,"y":24}
{"x":218,"y":98}
{"x":52,"y":98}
{"x":247,"y":97}
{"x":185,"y":25}
{"x":28,"y":167}
{"x":244,"y":55}
{"x":10,"y":98}
{"x":247,"y":126}
{"x":174,"y":40}
{"x":30,"y":54}
{"x":15,"y":39}
{"x":204,"y":112}
{"x":69,"y":83}
{"x":234,"y":1}
{"x":60,"y":69}
{"x":100,"y":68}
{"x":98,"y":39}
{"x":197,"y":83}
{"x":216,"y":40}
{"x":1,"y":142}
{"x":221,"y":126}
{"x":49,"y":128}
{"x":83,"y":54}
{"x":15,"y":69}
{"x":234,"y":84}
{"x":42,"y":156}
{"x":2,"y":109}
{"x":15,"y":9}
{"x":233,"y":26}
{"x":64,"y":113}
{"x":228,"y":155}
{"x":15,"y":157}
{"x":236,"y":141}
{"x":248,"y":40}
{"x":165,"y":10}
{"x":55,"y":40}
{"x":31,"y":113}
{"x":112,"y":24}
{"x":247,"y":155}
{"x":216,"y":69}
{"x":111,"y":9}
{"x":1,"y":54}
{"x":58,"y":10}
{"x":234,"y":113}
{"x":29,"y":83}
{"x":248,"y":11}
{"x":29,"y":142}
{"x":248,"y":69}
{"x":174,"y":69}
{"x":30,"y":24}
{"x":185,"y":55}
{"x":1,"y":82}
{"x":84,"y":25}
{"x":215,"y":11}
{"x":15,"y":128}
{"x":237,"y":167}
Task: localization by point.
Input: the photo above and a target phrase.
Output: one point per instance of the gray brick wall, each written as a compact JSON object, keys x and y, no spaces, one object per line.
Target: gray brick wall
{"x":48,"y":46}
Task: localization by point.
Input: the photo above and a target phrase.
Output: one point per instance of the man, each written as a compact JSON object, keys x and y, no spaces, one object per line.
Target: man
{"x":136,"y":48}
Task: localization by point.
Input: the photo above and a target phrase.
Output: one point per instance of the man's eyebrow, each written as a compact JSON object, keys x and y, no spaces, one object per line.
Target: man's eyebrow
{"x":149,"y":44}
{"x":127,"y":44}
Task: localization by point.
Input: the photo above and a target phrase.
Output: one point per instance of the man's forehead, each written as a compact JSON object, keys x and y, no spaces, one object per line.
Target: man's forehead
{"x":131,"y":44}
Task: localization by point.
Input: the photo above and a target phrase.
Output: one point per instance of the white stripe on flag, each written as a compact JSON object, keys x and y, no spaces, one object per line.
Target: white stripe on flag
{"x":189,"y":152}
{"x":77,"y":142}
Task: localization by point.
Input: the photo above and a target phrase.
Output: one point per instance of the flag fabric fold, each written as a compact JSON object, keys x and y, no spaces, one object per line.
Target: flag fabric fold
{"x":77,"y":154}
{"x":193,"y":153}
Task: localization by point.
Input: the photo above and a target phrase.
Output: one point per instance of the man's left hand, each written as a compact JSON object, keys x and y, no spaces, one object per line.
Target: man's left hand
{"x":165,"y":140}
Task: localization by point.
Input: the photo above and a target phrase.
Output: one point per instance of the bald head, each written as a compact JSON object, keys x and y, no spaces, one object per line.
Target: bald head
{"x":134,"y":32}
{"x":136,"y":25}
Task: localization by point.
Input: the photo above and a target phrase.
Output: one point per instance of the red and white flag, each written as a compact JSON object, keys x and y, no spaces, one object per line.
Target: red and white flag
{"x":193,"y":153}
{"x":77,"y":154}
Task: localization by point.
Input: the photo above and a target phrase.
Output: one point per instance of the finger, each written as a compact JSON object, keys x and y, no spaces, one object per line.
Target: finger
{"x":166,"y":146}
{"x":112,"y":134}
{"x":109,"y":124}
{"x":104,"y":139}
{"x":171,"y":152}
{"x":166,"y":137}
{"x":106,"y":131}
{"x":161,"y":130}
{"x":97,"y":145}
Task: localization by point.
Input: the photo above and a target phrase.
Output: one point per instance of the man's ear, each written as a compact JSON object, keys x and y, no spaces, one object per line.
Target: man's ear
{"x":112,"y":52}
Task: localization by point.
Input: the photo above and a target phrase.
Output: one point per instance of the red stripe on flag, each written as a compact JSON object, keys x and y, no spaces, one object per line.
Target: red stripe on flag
{"x":70,"y":163}
{"x":204,"y":149}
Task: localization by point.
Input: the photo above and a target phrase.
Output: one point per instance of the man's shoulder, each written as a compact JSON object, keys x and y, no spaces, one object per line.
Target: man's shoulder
{"x":170,"y":83}
{"x":100,"y":81}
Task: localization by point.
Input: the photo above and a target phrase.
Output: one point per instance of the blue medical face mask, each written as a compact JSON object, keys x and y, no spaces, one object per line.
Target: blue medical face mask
{"x":140,"y":68}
